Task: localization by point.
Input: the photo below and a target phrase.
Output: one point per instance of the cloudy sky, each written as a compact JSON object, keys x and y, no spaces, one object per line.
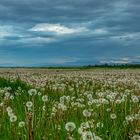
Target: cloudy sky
{"x":69,"y":32}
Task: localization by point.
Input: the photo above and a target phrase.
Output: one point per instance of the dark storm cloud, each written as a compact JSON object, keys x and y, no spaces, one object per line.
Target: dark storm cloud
{"x":115,"y":15}
{"x":72,"y":31}
{"x":48,"y":10}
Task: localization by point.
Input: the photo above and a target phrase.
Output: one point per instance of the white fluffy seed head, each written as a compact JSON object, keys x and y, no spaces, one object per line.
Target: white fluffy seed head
{"x":136,"y":137}
{"x":13,"y":118}
{"x":113,"y":116}
{"x":45,"y":98}
{"x":86,"y":113}
{"x":29,"y":104}
{"x":1,"y":104}
{"x":21,"y":124}
{"x":7,"y":94}
{"x":32,"y":92}
{"x":88,"y":135}
{"x":9,"y":109}
{"x":70,"y":126}
{"x":10,"y":114}
{"x":99,"y":124}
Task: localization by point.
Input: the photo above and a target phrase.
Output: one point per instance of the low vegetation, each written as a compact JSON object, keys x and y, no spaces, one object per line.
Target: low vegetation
{"x":70,"y":105}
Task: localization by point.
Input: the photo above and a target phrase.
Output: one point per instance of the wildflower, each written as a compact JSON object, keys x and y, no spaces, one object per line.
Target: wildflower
{"x":29,"y":104}
{"x":39,"y":93}
{"x":89,"y":103}
{"x":17,"y":93}
{"x":125,"y":123}
{"x":19,"y":88}
{"x":1,"y":104}
{"x":88,"y":135}
{"x":11,"y":97}
{"x":13,"y":118}
{"x":80,"y":130}
{"x":32,"y":92}
{"x":118,"y":101}
{"x":59,"y":127}
{"x":137,"y":116}
{"x":70,"y":126}
{"x":54,"y":109}
{"x":97,"y":138}
{"x":100,"y":125}
{"x":45,"y":98}
{"x":108,"y":109}
{"x":136,"y":137}
{"x":129,"y":118}
{"x":89,"y":96}
{"x":9,"y":109}
{"x":9,"y":88}
{"x":44,"y":108}
{"x":91,"y":123}
{"x":10,"y":114}
{"x":21,"y":124}
{"x":7,"y":94}
{"x":113,"y":116}
{"x":135,"y":99}
{"x":70,"y":138}
{"x":86,"y":113}
{"x":85,"y":125}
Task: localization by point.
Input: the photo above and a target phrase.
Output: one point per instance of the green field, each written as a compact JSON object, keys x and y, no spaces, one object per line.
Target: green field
{"x":99,"y":104}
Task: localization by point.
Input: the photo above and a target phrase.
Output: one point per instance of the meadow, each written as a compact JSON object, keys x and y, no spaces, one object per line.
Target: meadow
{"x":41,"y":104}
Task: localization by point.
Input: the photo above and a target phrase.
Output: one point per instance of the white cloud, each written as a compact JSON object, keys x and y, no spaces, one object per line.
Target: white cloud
{"x":57,"y":29}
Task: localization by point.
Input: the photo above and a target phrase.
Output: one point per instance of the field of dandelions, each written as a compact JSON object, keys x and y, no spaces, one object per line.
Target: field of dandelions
{"x":70,"y":105}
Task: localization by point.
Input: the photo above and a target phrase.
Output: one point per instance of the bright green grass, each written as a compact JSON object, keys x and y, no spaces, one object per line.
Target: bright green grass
{"x":45,"y":127}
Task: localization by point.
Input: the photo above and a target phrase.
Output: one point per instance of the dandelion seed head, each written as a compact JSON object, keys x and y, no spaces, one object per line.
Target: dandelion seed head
{"x":21,"y":124}
{"x":45,"y":98}
{"x":1,"y":104}
{"x":32,"y":92}
{"x":13,"y":118}
{"x":98,"y":138}
{"x":9,"y":109}
{"x":86,"y":113}
{"x":99,"y":124}
{"x":135,"y":137}
{"x":88,"y":135}
{"x":7,"y":94}
{"x":44,"y":108}
{"x":29,"y":104}
{"x":113,"y":116}
{"x":70,"y":126}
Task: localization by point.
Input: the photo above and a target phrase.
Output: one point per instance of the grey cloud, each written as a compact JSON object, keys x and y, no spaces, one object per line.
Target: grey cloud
{"x":118,"y":16}
{"x":40,"y":10}
{"x":112,"y":28}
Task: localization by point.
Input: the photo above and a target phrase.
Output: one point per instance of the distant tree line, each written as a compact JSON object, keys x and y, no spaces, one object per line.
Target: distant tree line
{"x":113,"y":66}
{"x":84,"y":67}
{"x":98,"y":66}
